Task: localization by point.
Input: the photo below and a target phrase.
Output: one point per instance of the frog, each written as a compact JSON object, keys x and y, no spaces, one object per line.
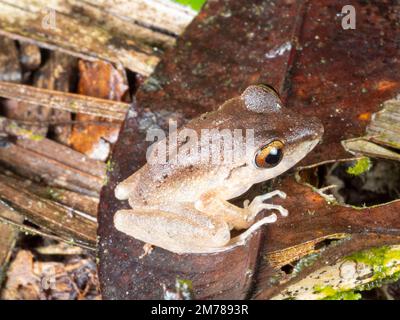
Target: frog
{"x":186,"y":206}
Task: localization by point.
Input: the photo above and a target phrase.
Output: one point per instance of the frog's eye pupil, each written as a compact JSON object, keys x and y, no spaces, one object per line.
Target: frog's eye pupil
{"x":274,"y":156}
{"x":270,"y":155}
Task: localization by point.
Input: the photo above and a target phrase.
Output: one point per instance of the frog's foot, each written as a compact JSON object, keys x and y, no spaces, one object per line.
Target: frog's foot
{"x":257,"y":205}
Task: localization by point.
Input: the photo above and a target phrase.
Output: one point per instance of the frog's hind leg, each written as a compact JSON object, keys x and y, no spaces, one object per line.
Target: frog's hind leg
{"x":192,"y":232}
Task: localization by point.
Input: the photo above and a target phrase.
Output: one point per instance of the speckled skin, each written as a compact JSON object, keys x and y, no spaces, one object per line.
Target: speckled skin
{"x":183,"y":207}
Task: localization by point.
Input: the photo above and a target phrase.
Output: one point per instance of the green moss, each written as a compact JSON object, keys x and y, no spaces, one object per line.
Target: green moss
{"x":36,"y":137}
{"x":184,"y":288}
{"x":24,"y":132}
{"x":393,"y":144}
{"x":109,"y":168}
{"x":378,"y":258}
{"x":53,"y":194}
{"x":194,"y":4}
{"x":346,"y":295}
{"x":362,"y":165}
{"x":74,"y":105}
{"x":381,"y":260}
{"x":332,"y":294}
{"x":379,"y":282}
{"x":110,"y":165}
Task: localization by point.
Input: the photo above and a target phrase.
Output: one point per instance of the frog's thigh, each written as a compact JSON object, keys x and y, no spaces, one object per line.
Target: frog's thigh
{"x":173,"y":231}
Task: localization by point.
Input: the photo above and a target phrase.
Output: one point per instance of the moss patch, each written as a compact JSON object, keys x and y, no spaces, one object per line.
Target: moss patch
{"x":194,"y":4}
{"x":362,"y":165}
{"x":109,"y":168}
{"x":184,"y":288}
{"x":29,"y":134}
{"x":384,"y":263}
{"x":380,"y":259}
{"x":332,"y":294}
{"x":110,"y":165}
{"x":53,"y":194}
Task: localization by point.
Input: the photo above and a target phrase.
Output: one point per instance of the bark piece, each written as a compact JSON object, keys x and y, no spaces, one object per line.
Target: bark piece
{"x":357,"y":272}
{"x":57,"y":165}
{"x":83,"y":30}
{"x":166,"y":16}
{"x":8,"y":238}
{"x":49,"y":215}
{"x":382,"y":136}
{"x":64,"y":101}
{"x":75,"y":201}
{"x":56,"y":74}
{"x":10,"y":69}
{"x":98,"y":79}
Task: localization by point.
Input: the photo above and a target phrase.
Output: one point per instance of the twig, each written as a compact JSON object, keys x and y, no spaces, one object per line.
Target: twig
{"x":49,"y":215}
{"x":37,"y":157}
{"x":64,"y":101}
{"x":31,"y":230}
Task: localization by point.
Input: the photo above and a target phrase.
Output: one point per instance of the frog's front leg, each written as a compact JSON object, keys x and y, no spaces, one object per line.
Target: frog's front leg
{"x":240,"y":218}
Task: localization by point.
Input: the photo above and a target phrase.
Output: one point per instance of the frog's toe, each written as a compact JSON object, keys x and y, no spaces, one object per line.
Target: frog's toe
{"x":281,"y":209}
{"x":260,"y":199}
{"x":272,"y":194}
{"x":255,"y":209}
{"x":270,"y":219}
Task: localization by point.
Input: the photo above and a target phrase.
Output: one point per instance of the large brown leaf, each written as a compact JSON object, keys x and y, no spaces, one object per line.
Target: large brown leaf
{"x":299,"y":47}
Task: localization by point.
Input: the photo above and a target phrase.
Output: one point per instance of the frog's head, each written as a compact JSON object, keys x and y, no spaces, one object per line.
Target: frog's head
{"x":282,"y":137}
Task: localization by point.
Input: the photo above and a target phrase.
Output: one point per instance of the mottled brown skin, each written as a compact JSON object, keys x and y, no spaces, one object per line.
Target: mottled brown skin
{"x":183,"y":207}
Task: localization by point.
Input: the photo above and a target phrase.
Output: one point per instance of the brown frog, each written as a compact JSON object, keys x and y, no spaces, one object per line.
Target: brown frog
{"x":182,"y":205}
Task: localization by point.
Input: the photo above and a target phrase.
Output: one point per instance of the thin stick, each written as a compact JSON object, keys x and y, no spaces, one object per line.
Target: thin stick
{"x":31,"y":230}
{"x":64,"y":101}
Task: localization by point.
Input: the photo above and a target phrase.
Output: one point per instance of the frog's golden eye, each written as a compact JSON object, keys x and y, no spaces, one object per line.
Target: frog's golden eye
{"x":270,"y":155}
